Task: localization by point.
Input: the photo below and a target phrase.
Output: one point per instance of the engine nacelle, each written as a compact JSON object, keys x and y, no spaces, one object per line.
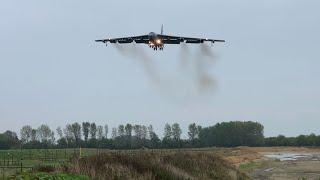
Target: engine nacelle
{"x":177,"y":41}
{"x":194,"y":41}
{"x":139,"y":41}
{"x":125,"y":41}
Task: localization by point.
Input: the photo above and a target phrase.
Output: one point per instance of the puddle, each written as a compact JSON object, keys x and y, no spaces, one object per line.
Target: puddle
{"x":268,"y":170}
{"x":289,"y":156}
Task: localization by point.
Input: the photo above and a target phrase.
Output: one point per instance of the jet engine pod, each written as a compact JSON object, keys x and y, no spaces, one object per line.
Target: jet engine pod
{"x":194,"y":41}
{"x":177,"y":41}
{"x":125,"y":41}
{"x":140,"y":41}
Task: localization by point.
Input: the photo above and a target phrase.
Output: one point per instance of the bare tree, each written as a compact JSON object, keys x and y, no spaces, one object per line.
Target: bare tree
{"x":114,"y":133}
{"x":167,"y":131}
{"x":144,"y":132}
{"x":176,"y":131}
{"x":193,"y":133}
{"x":93,"y":131}
{"x":85,"y":130}
{"x":121,"y":130}
{"x":100,"y":132}
{"x":128,"y":130}
{"x":45,"y":134}
{"x":137,"y":131}
{"x":68,"y":134}
{"x":150,"y":132}
{"x":34,"y":135}
{"x":26,"y":133}
{"x":76,"y":131}
{"x":59,"y":132}
{"x":106,"y":129}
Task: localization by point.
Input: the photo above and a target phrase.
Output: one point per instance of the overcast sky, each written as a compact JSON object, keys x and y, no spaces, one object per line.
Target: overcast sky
{"x":52,"y":71}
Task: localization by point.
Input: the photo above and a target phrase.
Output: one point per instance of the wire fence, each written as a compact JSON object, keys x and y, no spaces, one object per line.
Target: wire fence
{"x":18,"y":161}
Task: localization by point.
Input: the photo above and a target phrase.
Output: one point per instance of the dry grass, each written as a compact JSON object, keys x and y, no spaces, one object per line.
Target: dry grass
{"x":156,"y":165}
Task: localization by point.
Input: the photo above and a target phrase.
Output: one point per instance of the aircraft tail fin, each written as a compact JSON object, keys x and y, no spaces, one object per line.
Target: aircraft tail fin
{"x":162,"y":29}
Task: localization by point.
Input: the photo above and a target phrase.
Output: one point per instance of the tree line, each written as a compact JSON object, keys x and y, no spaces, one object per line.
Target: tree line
{"x":135,"y":136}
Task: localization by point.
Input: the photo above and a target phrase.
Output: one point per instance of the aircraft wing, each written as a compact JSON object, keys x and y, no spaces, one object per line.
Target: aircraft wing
{"x":137,"y":39}
{"x":177,"y":39}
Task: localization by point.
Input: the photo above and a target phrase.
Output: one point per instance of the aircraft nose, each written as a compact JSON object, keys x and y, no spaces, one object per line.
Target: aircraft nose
{"x":152,"y":34}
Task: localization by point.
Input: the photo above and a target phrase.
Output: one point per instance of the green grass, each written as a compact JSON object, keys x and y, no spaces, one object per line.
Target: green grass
{"x":49,"y":176}
{"x":33,"y":158}
{"x":252,"y":165}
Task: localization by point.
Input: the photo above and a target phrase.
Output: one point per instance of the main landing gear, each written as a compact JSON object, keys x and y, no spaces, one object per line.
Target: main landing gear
{"x":156,"y":47}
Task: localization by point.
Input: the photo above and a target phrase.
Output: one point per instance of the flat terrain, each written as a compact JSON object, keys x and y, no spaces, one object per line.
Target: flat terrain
{"x":257,"y":162}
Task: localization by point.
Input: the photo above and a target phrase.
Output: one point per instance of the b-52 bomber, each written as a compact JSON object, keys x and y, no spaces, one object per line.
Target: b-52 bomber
{"x":157,"y":41}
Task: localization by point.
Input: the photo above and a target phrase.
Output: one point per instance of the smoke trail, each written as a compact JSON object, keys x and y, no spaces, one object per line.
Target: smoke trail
{"x":184,"y":55}
{"x":133,"y":51}
{"x":197,"y":66}
{"x":193,"y":75}
{"x":207,"y":51}
{"x":203,"y":64}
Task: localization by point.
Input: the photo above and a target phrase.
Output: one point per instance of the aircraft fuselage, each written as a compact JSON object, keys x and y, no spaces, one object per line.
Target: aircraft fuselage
{"x":155,"y":42}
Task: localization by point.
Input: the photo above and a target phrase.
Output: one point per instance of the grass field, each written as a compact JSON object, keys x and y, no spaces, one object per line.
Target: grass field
{"x":28,"y":160}
{"x":204,"y":163}
{"x":127,"y":163}
{"x":48,"y":176}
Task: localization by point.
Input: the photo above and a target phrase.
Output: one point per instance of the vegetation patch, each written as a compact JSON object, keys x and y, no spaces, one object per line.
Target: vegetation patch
{"x":156,"y":165}
{"x":253,"y":165}
{"x":49,"y":176}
